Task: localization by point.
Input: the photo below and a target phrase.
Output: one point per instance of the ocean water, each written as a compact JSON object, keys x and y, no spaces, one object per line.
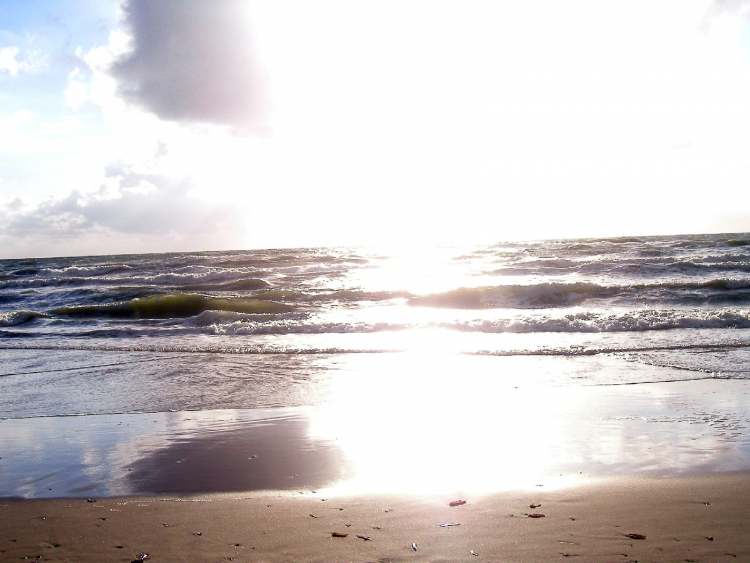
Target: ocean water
{"x":568,"y":356}
{"x":275,"y":315}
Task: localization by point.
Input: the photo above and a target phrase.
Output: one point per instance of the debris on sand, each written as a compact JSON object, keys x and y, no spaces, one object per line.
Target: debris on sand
{"x":449,"y":524}
{"x":413,"y":546}
{"x":635,"y":536}
{"x":311,"y":515}
{"x":197,"y":533}
{"x":458,"y":502}
{"x":474,"y":553}
{"x":365,"y":538}
{"x":141,"y":557}
{"x":90,"y":499}
{"x":536,"y":515}
{"x":533,"y":505}
{"x":338,"y":535}
{"x":710,"y":538}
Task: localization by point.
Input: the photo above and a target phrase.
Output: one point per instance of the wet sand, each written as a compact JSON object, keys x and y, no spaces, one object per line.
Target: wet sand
{"x":476,"y":443}
{"x":668,"y":461}
{"x":704,"y":518}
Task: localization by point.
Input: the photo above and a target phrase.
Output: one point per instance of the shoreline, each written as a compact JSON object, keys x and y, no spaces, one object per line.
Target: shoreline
{"x":701,"y":518}
{"x":472,"y":437}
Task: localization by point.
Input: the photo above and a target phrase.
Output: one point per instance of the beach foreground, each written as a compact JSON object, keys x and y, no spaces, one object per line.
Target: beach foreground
{"x":702,"y":518}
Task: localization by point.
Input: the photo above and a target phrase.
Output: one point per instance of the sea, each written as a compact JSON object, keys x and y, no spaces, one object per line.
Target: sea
{"x":355,"y":330}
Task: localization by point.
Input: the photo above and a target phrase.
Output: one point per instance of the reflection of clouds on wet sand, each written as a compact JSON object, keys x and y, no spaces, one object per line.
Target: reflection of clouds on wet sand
{"x":420,"y":423}
{"x":273,"y":454}
{"x":200,"y":451}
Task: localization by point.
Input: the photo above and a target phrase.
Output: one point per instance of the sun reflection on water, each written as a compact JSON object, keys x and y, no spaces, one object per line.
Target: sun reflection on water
{"x":432,"y":423}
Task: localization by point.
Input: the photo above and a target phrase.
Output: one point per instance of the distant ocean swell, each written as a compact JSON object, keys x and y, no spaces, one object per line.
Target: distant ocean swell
{"x":263,"y":300}
{"x":680,"y":292}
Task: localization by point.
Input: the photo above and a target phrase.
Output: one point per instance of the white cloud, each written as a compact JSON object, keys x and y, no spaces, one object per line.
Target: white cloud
{"x":428,"y":119}
{"x":132,"y":210}
{"x":9,"y":61}
{"x":14,"y":61}
{"x":76,"y":91}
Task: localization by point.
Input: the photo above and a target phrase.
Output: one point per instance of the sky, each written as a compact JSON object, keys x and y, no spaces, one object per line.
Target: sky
{"x":141,"y":126}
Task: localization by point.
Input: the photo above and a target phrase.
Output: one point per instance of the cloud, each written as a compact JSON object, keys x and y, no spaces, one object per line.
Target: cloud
{"x":719,"y":8}
{"x":732,"y":5}
{"x":140,"y":210}
{"x":14,"y":62}
{"x":191,"y":60}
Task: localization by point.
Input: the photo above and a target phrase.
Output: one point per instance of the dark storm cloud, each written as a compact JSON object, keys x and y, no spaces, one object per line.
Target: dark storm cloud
{"x":191,"y":60}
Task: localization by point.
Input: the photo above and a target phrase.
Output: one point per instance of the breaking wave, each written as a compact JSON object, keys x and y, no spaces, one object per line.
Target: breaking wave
{"x":15,"y":318}
{"x":551,"y":295}
{"x":632,"y":321}
{"x":226,"y":323}
{"x":172,"y":305}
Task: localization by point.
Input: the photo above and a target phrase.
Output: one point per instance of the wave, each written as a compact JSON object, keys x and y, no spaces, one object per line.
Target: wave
{"x":236,"y":285}
{"x":172,"y":305}
{"x":217,"y":281}
{"x":228,"y":323}
{"x":214,"y":317}
{"x":45,"y":282}
{"x":328,"y":296}
{"x":102,"y":295}
{"x":632,"y":321}
{"x":637,"y":267}
{"x":521,"y":296}
{"x":15,"y":318}
{"x":572,"y":351}
{"x":245,"y":327}
{"x":20,"y":272}
{"x":551,"y":295}
{"x":89,"y":271}
{"x":198,"y":349}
